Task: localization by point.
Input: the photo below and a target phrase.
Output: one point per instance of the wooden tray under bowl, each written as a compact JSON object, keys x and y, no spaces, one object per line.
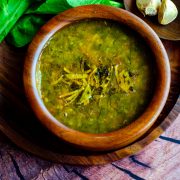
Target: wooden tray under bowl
{"x":19,"y":124}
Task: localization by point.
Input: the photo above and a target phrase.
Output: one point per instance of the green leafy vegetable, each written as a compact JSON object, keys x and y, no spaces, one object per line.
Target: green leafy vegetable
{"x":116,"y":4}
{"x":49,"y":7}
{"x":25,"y":29}
{"x":10,"y":12}
{"x":87,"y":2}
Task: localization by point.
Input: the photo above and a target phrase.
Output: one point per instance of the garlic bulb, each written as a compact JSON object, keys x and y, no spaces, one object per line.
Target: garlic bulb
{"x":148,"y":7}
{"x":167,"y":12}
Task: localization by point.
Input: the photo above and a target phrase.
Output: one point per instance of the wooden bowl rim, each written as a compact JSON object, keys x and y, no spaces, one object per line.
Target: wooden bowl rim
{"x":118,"y":138}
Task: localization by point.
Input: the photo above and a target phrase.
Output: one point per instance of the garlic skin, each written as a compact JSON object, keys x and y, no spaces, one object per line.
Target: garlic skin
{"x":148,"y":7}
{"x":167,"y":12}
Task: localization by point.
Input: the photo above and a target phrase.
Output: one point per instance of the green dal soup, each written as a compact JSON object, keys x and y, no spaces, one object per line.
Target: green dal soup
{"x":95,"y":76}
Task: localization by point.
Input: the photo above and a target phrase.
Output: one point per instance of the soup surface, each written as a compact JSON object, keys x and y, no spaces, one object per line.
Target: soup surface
{"x":95,"y":76}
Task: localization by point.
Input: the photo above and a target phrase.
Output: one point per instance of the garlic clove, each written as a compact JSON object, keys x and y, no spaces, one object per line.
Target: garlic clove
{"x":167,"y":12}
{"x":148,"y":7}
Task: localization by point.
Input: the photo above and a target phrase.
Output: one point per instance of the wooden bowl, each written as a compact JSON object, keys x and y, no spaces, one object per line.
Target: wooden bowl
{"x":123,"y":136}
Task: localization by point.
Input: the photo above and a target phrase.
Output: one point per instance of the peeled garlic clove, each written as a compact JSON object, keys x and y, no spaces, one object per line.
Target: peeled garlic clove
{"x":148,"y":7}
{"x":167,"y":12}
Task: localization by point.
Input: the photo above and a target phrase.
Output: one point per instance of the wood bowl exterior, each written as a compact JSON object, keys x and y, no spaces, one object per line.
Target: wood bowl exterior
{"x":121,"y":137}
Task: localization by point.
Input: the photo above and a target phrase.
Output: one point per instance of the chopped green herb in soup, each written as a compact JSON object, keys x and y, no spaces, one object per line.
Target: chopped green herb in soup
{"x":95,"y":76}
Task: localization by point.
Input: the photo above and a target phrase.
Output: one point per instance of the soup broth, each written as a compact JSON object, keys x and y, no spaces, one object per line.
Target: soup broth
{"x":95,"y":76}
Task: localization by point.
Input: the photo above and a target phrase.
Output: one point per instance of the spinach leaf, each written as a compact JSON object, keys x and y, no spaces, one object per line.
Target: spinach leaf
{"x":25,"y":29}
{"x":10,"y":12}
{"x":86,"y":2}
{"x":49,"y":7}
{"x":27,"y":26}
{"x":116,"y":4}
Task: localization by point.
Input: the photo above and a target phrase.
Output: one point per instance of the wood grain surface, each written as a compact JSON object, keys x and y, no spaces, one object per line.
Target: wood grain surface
{"x":159,"y":160}
{"x":18,"y":122}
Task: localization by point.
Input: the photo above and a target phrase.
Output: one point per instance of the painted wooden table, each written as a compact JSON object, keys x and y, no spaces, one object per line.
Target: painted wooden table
{"x":158,"y":161}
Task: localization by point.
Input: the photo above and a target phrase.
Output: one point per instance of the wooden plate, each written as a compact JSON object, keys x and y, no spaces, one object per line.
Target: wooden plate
{"x":169,"y":32}
{"x":19,"y":124}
